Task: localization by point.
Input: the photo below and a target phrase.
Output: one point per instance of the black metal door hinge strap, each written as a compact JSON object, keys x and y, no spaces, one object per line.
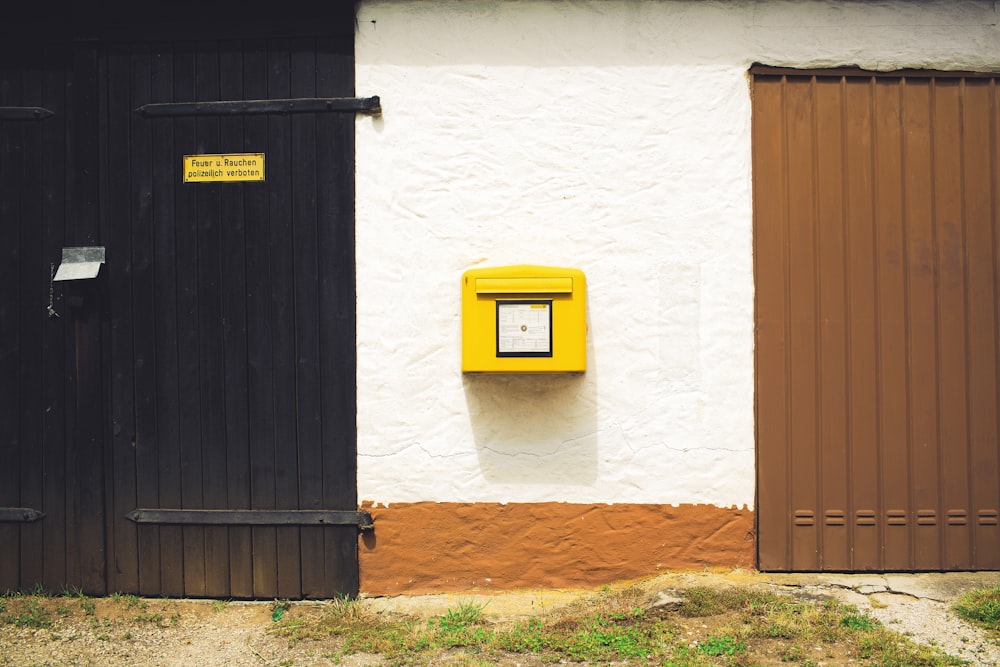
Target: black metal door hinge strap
{"x":361,"y":519}
{"x":367,"y":105}
{"x":19,"y":515}
{"x":25,"y":113}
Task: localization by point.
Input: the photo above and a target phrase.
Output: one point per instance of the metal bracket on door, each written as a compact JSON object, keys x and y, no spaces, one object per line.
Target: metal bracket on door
{"x":367,"y":105}
{"x":25,"y":113}
{"x":20,"y":515}
{"x":363,"y":520}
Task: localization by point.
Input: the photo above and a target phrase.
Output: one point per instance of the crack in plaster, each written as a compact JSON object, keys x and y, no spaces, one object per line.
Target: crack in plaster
{"x":662,"y":445}
{"x":414,"y":445}
{"x":685,"y":450}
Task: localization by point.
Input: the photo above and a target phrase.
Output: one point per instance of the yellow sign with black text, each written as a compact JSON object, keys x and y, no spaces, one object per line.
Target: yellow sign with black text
{"x":224,"y":168}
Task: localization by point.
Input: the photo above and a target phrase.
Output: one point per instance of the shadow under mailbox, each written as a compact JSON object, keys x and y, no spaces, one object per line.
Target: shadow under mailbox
{"x":534,"y":428}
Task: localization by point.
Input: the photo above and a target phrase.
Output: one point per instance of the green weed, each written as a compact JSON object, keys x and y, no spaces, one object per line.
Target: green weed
{"x":529,"y":636}
{"x":981,"y":606}
{"x":278,"y":609}
{"x":602,"y":638}
{"x":88,"y":606}
{"x":854,"y":621}
{"x":33,"y":615}
{"x":717,"y":646}
{"x":130,"y":601}
{"x":154,"y":619}
{"x":467,"y":613}
{"x":791,"y":654}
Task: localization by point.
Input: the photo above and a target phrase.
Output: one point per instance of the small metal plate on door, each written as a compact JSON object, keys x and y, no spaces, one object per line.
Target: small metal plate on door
{"x":80,"y":263}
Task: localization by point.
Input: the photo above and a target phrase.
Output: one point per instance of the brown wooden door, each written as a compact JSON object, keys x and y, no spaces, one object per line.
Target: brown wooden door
{"x":210,"y":366}
{"x":51,"y":424}
{"x":876,"y":241}
{"x":231,"y":317}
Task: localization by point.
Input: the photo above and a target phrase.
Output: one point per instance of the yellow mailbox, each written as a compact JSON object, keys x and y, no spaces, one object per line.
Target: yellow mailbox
{"x":524,"y":319}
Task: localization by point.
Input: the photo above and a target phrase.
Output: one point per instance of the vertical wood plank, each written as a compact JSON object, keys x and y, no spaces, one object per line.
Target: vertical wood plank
{"x":119,"y":268}
{"x":771,"y":286}
{"x":893,"y":342}
{"x":337,"y":308}
{"x":282,"y":315}
{"x":87,"y":452}
{"x":862,"y":289}
{"x":143,"y":314}
{"x":770,"y":241}
{"x":144,"y":485}
{"x":234,"y":290}
{"x":922,"y":333}
{"x":33,"y":287}
{"x":981,"y":169}
{"x":11,"y":254}
{"x":986,"y":514}
{"x":305,"y":245}
{"x":949,"y":233}
{"x":833,"y":417}
{"x":53,"y":345}
{"x":188,"y":313}
{"x":165,"y":154}
{"x":259,"y":337}
{"x":164,"y":544}
{"x":210,"y":342}
{"x":804,"y":333}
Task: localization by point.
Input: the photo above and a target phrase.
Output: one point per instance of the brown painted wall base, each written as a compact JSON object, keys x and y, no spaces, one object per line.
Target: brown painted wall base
{"x":419,"y":548}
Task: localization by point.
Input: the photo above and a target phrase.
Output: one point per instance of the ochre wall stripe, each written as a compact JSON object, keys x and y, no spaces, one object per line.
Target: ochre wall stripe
{"x":432,"y":547}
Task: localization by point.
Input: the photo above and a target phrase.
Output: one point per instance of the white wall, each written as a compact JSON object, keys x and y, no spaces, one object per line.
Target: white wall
{"x":610,"y":136}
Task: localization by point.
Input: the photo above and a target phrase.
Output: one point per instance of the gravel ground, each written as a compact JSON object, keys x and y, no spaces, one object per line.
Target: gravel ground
{"x":919,"y":606}
{"x":175,"y":633}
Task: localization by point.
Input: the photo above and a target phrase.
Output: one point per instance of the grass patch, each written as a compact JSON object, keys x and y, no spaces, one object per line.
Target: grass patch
{"x":725,"y":645}
{"x":981,"y":606}
{"x":732,"y":627}
{"x":43,"y":611}
{"x":729,"y":627}
{"x":28,"y":612}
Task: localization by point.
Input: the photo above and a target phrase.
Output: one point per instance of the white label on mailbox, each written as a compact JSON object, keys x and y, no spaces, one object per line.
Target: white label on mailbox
{"x":524,"y":328}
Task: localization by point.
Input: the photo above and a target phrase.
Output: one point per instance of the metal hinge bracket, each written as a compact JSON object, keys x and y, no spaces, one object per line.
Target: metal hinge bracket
{"x":361,"y":519}
{"x":366,"y":105}
{"x":20,"y":515}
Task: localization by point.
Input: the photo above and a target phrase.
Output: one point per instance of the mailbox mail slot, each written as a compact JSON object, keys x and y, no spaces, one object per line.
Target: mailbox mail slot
{"x":524,"y":319}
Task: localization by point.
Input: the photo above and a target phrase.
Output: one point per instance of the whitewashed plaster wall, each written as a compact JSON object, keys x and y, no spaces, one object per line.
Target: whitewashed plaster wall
{"x":610,"y":136}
